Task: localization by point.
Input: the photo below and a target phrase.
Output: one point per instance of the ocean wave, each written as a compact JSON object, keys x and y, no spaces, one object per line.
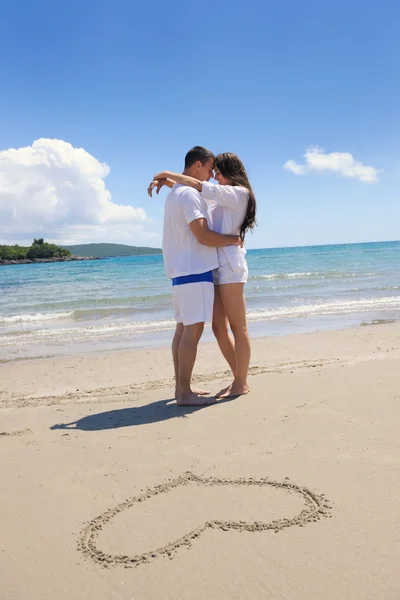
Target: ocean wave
{"x":282,"y":276}
{"x":87,"y":314}
{"x":91,"y":332}
{"x":31,"y":318}
{"x":120,"y":331}
{"x":338,"y":307}
{"x":84,"y":314}
{"x":310,"y":274}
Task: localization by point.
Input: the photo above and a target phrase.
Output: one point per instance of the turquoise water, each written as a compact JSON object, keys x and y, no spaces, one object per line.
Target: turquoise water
{"x":58,"y":308}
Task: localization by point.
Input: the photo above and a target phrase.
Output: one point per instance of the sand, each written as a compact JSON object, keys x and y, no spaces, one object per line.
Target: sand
{"x":111,"y":491}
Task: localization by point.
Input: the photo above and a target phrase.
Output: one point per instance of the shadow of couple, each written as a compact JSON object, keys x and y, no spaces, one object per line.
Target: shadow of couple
{"x":161,"y":410}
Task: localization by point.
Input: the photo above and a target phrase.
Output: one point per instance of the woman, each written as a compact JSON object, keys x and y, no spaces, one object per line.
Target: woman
{"x":233,"y":211}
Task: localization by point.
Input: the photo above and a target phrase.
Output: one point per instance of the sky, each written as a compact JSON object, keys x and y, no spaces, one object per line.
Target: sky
{"x":97,"y":96}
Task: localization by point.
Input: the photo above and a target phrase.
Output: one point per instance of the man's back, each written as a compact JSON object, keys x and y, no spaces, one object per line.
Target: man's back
{"x":183,"y":254}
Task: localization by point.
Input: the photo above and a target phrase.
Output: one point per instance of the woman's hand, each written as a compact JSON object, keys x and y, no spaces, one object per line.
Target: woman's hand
{"x":157,"y":184}
{"x":239,"y":242}
{"x":162,"y":175}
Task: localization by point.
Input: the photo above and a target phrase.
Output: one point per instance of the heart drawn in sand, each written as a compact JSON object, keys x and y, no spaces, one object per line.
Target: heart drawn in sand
{"x":315,"y":507}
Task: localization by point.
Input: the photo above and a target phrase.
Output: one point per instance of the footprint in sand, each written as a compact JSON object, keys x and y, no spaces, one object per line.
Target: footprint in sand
{"x":139,"y":529}
{"x":15,"y":433}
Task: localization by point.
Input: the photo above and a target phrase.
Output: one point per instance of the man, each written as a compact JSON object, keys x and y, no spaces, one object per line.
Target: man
{"x":190,"y":255}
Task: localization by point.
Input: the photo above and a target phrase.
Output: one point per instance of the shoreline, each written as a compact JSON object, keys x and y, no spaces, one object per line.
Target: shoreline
{"x":79,"y":372}
{"x":147,"y":340}
{"x":32,"y":261}
{"x":28,"y":261}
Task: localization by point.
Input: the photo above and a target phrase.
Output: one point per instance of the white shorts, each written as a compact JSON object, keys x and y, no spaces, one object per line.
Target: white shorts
{"x":193,"y":302}
{"x":225,"y":274}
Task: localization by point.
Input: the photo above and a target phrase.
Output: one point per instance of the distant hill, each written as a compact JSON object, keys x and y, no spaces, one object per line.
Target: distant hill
{"x":109,"y":250}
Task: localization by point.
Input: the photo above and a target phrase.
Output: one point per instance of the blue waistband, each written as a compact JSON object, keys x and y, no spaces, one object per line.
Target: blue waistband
{"x":208,"y":276}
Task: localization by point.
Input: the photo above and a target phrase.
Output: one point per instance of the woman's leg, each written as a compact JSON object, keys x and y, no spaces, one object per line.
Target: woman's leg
{"x":235,"y":309}
{"x":220,"y":326}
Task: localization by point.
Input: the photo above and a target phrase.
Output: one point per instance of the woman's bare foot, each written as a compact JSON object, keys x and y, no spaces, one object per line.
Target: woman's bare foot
{"x":233,"y":390}
{"x":194,"y":399}
{"x":197,"y":391}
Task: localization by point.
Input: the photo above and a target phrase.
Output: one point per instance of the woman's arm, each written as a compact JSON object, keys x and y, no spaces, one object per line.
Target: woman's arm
{"x":183,"y":179}
{"x":228,"y":196}
{"x":158,"y":184}
{"x":234,"y":197}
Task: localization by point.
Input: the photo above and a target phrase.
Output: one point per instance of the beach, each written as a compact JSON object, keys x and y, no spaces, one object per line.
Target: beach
{"x":111,"y":491}
{"x":276,"y":245}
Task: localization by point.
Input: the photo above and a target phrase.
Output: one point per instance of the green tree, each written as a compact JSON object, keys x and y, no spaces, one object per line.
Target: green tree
{"x":39,"y":249}
{"x":46,"y":250}
{"x":13,"y":252}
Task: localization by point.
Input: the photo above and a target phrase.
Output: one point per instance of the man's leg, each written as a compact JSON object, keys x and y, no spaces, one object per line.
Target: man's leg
{"x":175,"y":355}
{"x":187,"y":352}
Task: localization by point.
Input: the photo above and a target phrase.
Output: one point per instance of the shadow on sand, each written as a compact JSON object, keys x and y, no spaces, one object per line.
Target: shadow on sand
{"x":161,"y":410}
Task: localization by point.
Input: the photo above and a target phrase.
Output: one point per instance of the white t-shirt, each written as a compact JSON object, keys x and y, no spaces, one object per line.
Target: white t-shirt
{"x":228,"y":206}
{"x":183,"y":254}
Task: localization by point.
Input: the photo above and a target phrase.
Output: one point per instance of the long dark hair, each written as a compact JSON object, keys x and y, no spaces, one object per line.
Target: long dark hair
{"x":231,"y":167}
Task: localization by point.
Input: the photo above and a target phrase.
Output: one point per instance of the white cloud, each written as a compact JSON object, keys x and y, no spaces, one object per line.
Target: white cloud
{"x":342,"y":163}
{"x":57,"y":191}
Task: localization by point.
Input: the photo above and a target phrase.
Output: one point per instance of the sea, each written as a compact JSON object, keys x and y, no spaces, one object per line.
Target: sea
{"x":56,"y":309}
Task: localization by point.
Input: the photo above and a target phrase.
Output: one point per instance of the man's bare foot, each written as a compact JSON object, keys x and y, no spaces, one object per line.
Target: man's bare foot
{"x":194,"y":400}
{"x":233,"y":390}
{"x":197,"y":391}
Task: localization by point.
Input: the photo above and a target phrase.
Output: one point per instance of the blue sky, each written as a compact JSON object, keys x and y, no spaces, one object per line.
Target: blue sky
{"x":137,"y":84}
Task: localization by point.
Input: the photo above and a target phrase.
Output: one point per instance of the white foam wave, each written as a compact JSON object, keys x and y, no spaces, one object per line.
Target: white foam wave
{"x":121,"y":331}
{"x":27,"y":318}
{"x":283,"y":276}
{"x":339,"y":307}
{"x":310,"y":274}
{"x":91,"y":332}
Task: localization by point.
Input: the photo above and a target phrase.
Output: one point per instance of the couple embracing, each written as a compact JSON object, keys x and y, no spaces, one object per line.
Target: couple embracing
{"x":204,"y":230}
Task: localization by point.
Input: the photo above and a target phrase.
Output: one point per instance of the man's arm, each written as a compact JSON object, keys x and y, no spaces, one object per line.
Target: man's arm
{"x":205,"y":236}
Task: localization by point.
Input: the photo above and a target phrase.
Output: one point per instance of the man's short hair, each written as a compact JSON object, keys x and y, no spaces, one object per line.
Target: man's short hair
{"x":198,"y":153}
